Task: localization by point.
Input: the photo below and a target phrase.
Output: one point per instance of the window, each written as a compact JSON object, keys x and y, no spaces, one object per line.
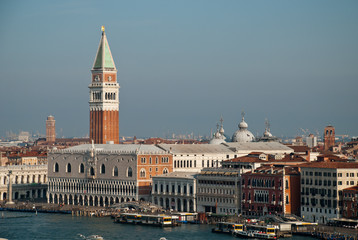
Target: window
{"x":92,"y":171}
{"x":115,"y":171}
{"x":82,"y":168}
{"x":129,"y":172}
{"x":142,"y":160}
{"x":68,"y":168}
{"x":156,"y":160}
{"x":339,"y":182}
{"x":165,"y":171}
{"x":142,"y":173}
{"x":339,"y":174}
{"x":287,"y":200}
{"x":103,"y":169}
{"x":55,"y":167}
{"x":286,"y":184}
{"x":150,"y":160}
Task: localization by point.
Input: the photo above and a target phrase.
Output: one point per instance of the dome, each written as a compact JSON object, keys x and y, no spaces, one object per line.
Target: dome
{"x":243,"y":124}
{"x":218,"y":136}
{"x":221,"y":131}
{"x":242,"y":134}
{"x":267,"y":134}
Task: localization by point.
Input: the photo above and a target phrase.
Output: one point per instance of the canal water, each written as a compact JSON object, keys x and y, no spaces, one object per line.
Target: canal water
{"x":18,"y":225}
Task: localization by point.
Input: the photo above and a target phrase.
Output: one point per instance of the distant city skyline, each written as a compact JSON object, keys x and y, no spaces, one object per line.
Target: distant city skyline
{"x":182,"y":65}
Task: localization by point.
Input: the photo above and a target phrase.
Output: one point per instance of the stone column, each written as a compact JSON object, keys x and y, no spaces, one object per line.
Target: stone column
{"x":9,"y":201}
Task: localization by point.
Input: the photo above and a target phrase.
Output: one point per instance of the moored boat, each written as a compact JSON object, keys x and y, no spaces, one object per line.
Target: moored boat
{"x":227,"y":227}
{"x":258,"y":232}
{"x":155,"y":220}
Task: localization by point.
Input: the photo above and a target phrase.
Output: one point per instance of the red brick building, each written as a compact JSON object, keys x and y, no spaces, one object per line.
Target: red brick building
{"x":150,"y":165}
{"x":271,"y":189}
{"x":350,"y":202}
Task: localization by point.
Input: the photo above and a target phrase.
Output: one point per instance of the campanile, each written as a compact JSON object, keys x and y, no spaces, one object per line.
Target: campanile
{"x":104,"y":96}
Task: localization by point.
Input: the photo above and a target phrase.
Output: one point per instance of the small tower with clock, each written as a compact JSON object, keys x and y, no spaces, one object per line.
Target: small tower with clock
{"x":104,"y":96}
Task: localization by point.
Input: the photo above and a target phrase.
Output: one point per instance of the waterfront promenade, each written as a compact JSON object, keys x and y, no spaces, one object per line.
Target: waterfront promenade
{"x":321,"y":231}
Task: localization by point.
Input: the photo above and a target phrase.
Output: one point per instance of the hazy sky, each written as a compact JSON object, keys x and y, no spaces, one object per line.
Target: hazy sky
{"x":183,"y":64}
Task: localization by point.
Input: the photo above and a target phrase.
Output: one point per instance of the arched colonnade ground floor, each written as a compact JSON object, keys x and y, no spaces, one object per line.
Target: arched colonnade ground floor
{"x":86,"y":199}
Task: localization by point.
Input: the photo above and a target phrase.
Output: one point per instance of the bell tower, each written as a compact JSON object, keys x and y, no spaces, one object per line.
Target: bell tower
{"x":329,"y":137}
{"x":104,"y":96}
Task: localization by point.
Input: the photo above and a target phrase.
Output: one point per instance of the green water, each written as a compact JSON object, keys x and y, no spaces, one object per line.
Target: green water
{"x":17,"y":225}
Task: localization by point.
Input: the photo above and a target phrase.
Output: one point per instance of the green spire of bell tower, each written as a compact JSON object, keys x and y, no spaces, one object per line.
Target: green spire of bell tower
{"x":104,"y":60}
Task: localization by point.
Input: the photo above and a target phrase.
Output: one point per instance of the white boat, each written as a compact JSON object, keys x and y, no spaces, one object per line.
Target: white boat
{"x":91,"y":237}
{"x":255,"y":234}
{"x":258,"y":232}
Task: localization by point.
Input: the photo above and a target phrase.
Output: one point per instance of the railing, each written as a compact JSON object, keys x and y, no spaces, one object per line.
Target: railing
{"x":23,"y":167}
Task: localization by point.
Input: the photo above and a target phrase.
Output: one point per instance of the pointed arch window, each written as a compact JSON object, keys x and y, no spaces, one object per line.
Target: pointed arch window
{"x":129,"y":172}
{"x":165,"y":171}
{"x":92,"y":171}
{"x":82,"y":168}
{"x":103,"y":169}
{"x":142,"y":173}
{"x":56,"y":168}
{"x":115,"y":171}
{"x":68,"y":168}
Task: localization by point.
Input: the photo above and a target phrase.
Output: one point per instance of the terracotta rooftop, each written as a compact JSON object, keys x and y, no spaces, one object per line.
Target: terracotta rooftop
{"x":329,"y":165}
{"x":246,"y":159}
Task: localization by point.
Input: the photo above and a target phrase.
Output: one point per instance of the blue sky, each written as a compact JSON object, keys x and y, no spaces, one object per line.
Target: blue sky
{"x":183,"y":64}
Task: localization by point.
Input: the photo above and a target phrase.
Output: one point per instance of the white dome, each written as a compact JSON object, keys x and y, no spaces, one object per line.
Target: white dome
{"x":243,"y":124}
{"x":267,"y":134}
{"x":219,"y":136}
{"x":243,"y":135}
{"x":221,"y":131}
